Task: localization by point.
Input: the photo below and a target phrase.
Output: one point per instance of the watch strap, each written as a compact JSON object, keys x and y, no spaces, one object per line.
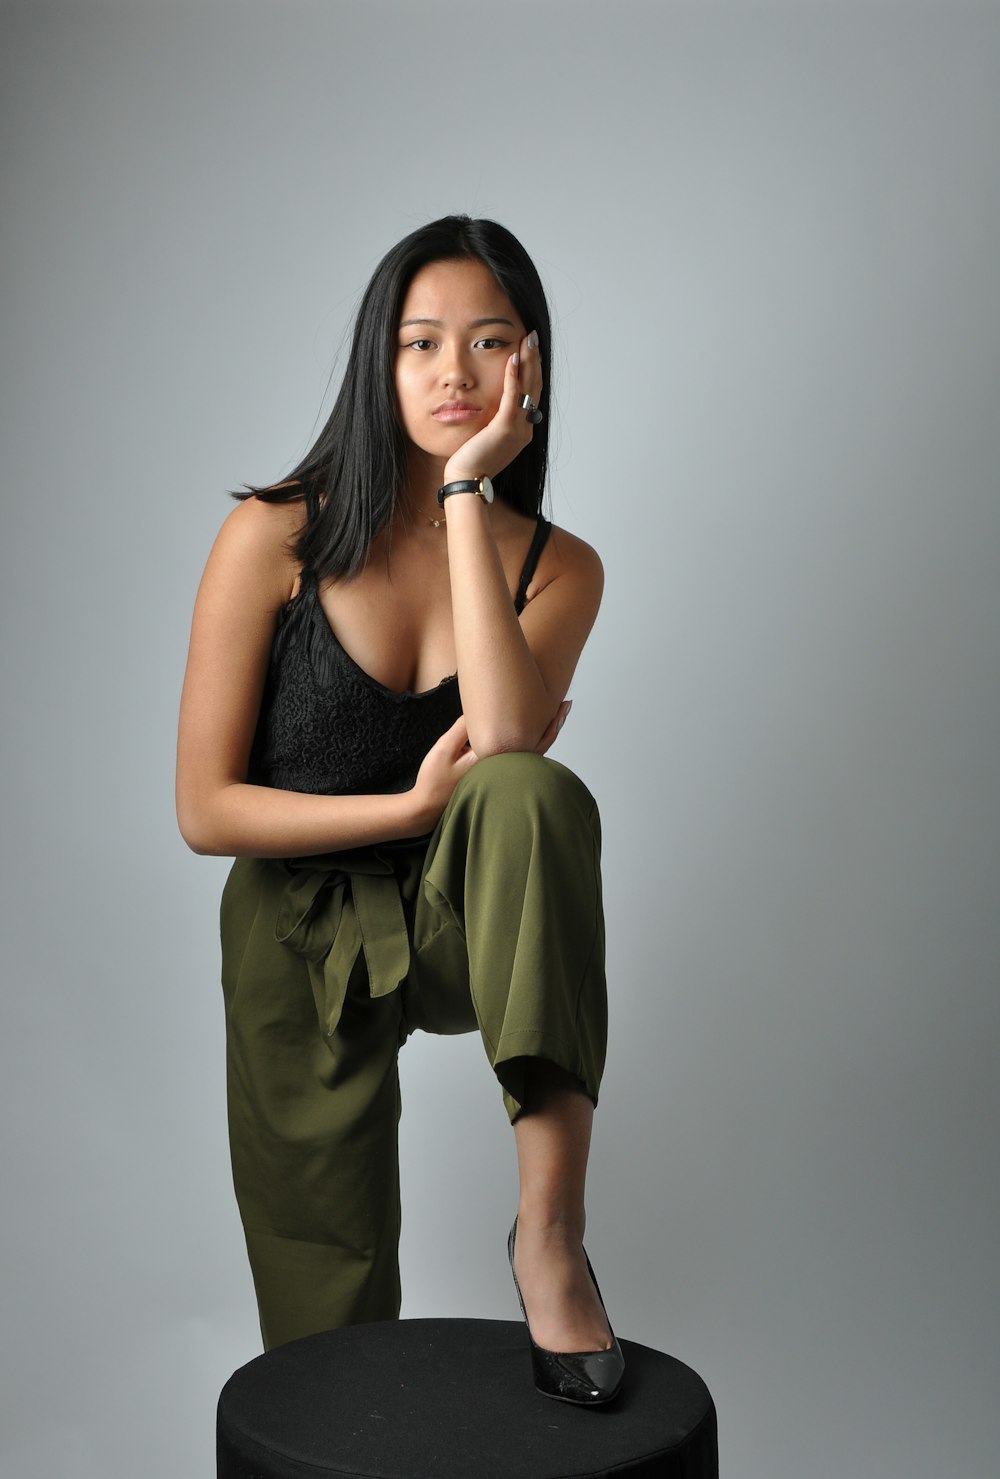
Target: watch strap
{"x":463,"y":485}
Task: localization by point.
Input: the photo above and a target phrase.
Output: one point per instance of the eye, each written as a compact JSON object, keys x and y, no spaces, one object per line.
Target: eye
{"x":490,"y":343}
{"x":419,"y":344}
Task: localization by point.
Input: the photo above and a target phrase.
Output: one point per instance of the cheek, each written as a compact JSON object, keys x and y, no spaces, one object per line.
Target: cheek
{"x":496,"y":386}
{"x":404,"y":397}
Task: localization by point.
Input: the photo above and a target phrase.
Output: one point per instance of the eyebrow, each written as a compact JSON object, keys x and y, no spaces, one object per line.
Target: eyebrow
{"x":437,"y":323}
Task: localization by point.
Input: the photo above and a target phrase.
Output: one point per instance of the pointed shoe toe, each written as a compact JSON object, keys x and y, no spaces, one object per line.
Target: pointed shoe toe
{"x":585,"y":1378}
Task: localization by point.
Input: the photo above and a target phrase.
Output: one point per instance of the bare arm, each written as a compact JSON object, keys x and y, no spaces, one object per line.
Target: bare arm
{"x":249,"y":576}
{"x":513,"y":673}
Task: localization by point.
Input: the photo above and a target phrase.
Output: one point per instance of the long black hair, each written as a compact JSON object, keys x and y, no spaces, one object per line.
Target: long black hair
{"x":357,"y":464}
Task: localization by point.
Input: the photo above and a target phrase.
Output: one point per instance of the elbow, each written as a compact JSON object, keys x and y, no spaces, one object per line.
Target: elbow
{"x":503,"y":746}
{"x":205,"y":846}
{"x":197,"y":840}
{"x":508,"y":733}
{"x":489,"y":739}
{"x":196,"y":828}
{"x":201,"y":849}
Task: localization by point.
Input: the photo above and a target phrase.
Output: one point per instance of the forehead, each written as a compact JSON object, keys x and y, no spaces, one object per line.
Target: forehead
{"x":457,"y":292}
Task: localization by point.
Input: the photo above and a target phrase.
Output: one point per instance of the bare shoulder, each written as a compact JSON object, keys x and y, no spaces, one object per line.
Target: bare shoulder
{"x":256,"y":544}
{"x":566,"y":556}
{"x":260,"y":528}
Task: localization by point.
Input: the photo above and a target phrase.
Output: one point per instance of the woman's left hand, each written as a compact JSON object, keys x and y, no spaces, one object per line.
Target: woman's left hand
{"x":510,"y":431}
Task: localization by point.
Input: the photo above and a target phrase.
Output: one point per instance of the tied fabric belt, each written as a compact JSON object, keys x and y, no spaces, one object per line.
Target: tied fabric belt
{"x":338,"y":904}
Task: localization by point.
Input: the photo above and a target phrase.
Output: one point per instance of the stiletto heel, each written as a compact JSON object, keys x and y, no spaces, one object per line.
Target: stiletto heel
{"x":584,"y":1377}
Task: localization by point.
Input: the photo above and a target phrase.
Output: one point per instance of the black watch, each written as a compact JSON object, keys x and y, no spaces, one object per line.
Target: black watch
{"x":482,"y":486}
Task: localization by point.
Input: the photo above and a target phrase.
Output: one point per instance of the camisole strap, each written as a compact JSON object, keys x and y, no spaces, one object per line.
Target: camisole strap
{"x":542,"y":531}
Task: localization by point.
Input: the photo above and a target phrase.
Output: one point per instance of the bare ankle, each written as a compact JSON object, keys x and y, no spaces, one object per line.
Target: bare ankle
{"x":554,"y":1226}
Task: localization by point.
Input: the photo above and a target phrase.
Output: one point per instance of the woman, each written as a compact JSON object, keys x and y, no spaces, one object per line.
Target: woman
{"x":379,"y":659}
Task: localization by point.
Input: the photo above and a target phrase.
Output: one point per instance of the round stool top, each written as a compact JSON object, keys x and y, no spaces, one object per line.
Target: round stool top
{"x":453,"y":1399}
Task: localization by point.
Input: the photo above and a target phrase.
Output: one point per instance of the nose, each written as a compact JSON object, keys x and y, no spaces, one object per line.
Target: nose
{"x":456,"y":367}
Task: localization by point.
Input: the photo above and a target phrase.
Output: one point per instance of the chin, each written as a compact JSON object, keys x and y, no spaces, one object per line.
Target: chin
{"x":448,"y":442}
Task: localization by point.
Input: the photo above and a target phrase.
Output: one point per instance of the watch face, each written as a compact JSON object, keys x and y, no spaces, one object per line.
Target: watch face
{"x":487,"y":489}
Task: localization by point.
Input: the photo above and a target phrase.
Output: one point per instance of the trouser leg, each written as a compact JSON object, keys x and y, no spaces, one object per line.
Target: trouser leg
{"x":510,"y":915}
{"x":313,"y":1126}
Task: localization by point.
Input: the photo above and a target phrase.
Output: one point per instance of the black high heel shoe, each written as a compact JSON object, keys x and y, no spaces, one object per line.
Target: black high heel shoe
{"x":584,"y":1377}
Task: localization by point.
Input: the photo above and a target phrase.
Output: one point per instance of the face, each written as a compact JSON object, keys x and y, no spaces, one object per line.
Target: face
{"x":457,"y":331}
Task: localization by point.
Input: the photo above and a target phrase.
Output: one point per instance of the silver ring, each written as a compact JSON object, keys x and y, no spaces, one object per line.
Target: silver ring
{"x":531,"y":410}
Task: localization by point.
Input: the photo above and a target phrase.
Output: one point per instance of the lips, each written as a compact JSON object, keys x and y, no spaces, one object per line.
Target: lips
{"x":456,"y":411}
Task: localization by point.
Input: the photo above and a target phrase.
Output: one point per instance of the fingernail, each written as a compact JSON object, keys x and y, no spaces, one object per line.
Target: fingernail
{"x":533,"y":340}
{"x":516,"y":358}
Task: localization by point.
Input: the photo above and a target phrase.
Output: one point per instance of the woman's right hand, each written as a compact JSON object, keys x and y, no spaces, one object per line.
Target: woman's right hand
{"x":450,"y":757}
{"x":440,"y":771}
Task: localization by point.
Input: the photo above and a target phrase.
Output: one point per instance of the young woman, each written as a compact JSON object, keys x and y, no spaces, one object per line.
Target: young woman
{"x":380,"y":654}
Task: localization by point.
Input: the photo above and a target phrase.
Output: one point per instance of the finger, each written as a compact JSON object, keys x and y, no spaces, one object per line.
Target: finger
{"x":558,"y":720}
{"x":511,"y":409}
{"x":529,"y":378}
{"x":531,"y":366}
{"x":456,"y":738}
{"x":466,"y":761}
{"x":512,"y":381}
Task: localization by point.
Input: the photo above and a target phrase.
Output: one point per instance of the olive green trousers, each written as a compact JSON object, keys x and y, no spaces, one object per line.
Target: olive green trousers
{"x":494,"y":923}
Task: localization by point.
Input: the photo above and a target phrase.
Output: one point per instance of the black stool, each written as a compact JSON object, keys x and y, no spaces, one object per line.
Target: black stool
{"x":453,"y":1399}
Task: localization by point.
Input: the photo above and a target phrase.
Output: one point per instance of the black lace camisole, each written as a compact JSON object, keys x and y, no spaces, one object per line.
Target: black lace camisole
{"x":327,"y":727}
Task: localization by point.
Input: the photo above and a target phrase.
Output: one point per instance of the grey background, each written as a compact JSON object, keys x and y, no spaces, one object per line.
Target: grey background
{"x":771,"y":236}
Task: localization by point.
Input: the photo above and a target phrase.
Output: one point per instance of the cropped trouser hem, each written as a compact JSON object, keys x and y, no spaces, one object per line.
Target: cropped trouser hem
{"x":511,"y":1064}
{"x":493,"y":923}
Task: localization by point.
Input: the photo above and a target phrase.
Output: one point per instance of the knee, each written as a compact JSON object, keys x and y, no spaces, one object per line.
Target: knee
{"x":521,"y":779}
{"x":512,"y":814}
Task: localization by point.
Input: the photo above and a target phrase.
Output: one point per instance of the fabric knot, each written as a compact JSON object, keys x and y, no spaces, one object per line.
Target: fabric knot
{"x":335,"y":906}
